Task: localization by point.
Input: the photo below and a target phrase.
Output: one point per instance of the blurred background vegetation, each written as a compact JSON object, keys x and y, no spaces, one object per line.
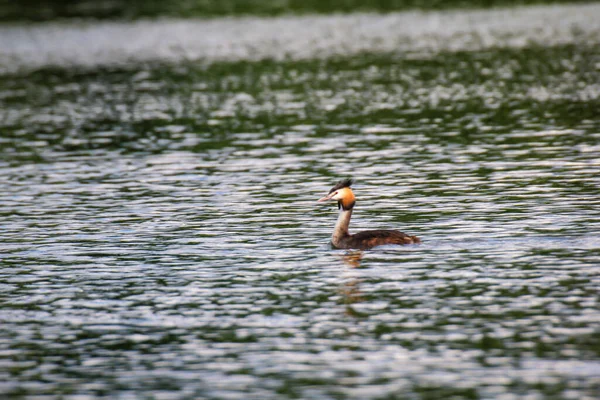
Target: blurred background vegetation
{"x":44,"y":10}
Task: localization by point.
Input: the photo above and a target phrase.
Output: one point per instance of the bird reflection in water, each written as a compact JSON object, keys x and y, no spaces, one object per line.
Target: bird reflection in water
{"x":350,"y":287}
{"x":352,"y":258}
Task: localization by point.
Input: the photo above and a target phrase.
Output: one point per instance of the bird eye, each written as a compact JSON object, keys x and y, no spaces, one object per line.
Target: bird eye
{"x":335,"y":193}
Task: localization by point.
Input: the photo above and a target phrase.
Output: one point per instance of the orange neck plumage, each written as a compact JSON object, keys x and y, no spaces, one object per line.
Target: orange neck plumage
{"x":346,"y":199}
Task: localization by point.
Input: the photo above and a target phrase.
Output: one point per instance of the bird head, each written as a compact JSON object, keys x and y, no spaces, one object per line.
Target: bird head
{"x":341,"y":193}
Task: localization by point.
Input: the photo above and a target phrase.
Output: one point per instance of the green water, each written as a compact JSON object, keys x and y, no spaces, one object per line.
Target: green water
{"x":160,"y":236}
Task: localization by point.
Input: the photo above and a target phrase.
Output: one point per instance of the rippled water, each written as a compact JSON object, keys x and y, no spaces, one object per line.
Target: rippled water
{"x":159,"y":236}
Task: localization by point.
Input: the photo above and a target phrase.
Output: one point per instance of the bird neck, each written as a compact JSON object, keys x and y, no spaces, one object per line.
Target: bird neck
{"x":341,"y":226}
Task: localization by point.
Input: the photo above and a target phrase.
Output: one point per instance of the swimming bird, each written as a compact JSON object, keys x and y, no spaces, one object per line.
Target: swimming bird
{"x":342,"y":239}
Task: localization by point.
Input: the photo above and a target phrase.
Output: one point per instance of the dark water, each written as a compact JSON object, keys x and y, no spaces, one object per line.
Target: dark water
{"x":159,"y":236}
{"x":32,"y":10}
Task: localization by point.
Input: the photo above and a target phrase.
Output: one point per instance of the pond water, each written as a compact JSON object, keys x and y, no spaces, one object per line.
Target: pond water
{"x":160,"y":236}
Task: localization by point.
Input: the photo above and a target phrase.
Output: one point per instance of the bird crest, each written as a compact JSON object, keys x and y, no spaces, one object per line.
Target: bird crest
{"x":344,"y":183}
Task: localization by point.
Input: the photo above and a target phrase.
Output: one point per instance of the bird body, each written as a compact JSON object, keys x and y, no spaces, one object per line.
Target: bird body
{"x":342,"y":239}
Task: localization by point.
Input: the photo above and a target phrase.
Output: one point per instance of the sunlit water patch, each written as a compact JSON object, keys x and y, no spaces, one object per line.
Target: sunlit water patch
{"x":93,"y":44}
{"x":159,"y":235}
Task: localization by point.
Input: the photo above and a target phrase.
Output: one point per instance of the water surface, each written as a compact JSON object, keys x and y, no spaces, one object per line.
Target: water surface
{"x":160,"y":238}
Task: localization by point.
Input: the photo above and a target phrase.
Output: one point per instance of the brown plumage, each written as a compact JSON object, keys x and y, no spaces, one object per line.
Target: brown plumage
{"x":342,"y":239}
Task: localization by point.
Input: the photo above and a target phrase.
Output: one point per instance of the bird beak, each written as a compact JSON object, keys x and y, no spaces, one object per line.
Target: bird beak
{"x":328,"y":197}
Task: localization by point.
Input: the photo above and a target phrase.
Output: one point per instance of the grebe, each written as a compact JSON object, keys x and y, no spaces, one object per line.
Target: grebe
{"x":341,"y":239}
